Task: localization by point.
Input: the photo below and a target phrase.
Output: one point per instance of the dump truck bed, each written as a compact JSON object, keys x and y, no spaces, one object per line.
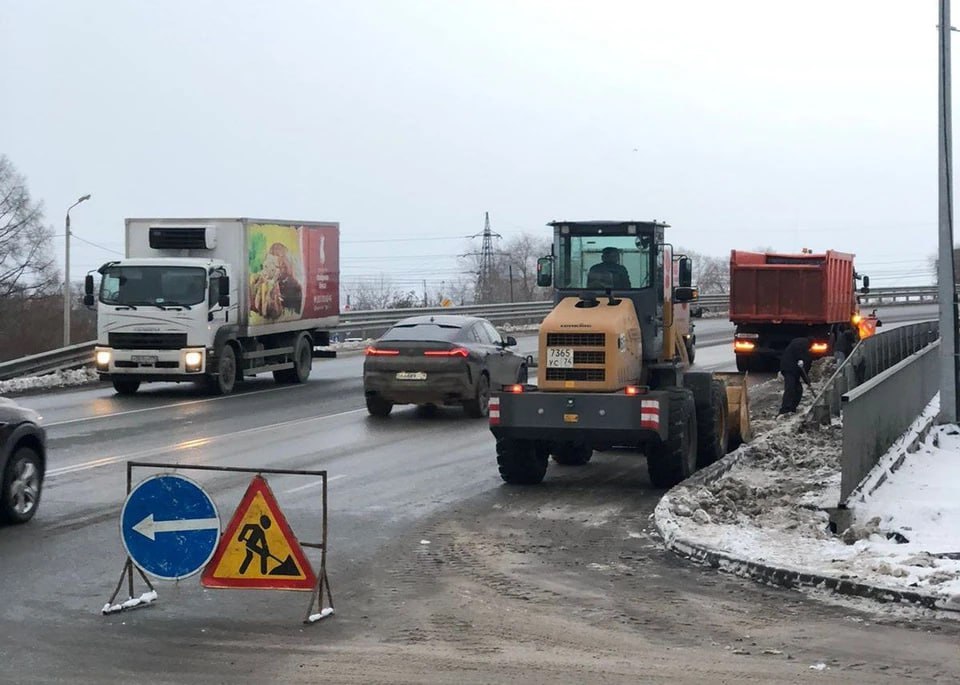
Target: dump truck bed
{"x":791,"y":288}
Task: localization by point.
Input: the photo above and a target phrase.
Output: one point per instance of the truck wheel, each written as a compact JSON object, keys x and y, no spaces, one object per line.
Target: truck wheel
{"x":572,"y":453}
{"x":712,"y":436}
{"x":478,"y":407}
{"x":226,"y":379}
{"x":126,"y":386}
{"x":20,"y":486}
{"x":744,"y":363}
{"x":672,"y":460}
{"x":302,"y":363}
{"x":379,"y":407}
{"x":521,"y":462}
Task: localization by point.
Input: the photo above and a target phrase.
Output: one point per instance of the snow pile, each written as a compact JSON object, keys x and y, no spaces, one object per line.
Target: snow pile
{"x":768,"y":507}
{"x":58,"y":379}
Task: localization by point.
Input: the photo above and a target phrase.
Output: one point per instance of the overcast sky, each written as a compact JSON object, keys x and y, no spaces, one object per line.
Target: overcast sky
{"x":742,"y":124}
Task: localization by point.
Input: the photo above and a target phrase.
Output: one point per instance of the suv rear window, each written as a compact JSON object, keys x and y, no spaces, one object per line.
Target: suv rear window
{"x":423,"y":331}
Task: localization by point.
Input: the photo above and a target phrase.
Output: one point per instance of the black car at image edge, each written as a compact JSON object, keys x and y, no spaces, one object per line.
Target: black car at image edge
{"x":22,"y":461}
{"x":443,"y":359}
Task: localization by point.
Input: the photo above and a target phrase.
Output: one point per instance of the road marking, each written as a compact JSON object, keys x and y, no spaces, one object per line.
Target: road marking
{"x":186,"y":403}
{"x":316,"y":484}
{"x":189,"y":444}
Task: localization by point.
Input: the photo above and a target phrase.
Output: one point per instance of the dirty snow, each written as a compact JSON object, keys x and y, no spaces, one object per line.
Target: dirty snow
{"x":769,"y":507}
{"x":58,"y":379}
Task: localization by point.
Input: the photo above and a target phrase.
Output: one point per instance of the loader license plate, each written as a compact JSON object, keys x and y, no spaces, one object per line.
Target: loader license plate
{"x":411,"y":376}
{"x":144,"y":358}
{"x":560,"y":357}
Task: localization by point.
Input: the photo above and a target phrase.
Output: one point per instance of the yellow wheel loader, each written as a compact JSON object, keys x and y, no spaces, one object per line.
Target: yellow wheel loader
{"x":614,"y":363}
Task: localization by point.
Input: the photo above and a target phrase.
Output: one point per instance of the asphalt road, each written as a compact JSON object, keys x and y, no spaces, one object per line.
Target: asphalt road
{"x":507,"y":575}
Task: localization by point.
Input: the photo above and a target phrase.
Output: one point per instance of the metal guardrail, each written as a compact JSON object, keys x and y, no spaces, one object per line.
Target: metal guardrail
{"x":869,"y":358}
{"x":876,"y":413}
{"x":73,"y":357}
{"x":366,"y":323}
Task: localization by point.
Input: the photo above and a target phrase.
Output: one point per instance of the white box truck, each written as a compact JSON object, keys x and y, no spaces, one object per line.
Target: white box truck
{"x":216,"y":300}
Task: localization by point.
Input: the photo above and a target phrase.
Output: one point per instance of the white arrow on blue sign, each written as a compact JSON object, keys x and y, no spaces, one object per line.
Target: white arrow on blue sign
{"x":169,"y":526}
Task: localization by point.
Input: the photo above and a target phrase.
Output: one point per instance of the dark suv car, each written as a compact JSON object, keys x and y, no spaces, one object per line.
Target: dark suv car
{"x":23,"y":460}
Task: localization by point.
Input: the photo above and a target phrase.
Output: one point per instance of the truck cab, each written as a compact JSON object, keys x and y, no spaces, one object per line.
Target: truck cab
{"x":159,"y":316}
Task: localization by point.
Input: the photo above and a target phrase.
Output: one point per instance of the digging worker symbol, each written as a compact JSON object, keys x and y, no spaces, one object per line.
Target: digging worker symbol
{"x":254,"y":538}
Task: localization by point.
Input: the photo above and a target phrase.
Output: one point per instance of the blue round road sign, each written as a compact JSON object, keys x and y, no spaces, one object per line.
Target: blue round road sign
{"x":169,"y":526}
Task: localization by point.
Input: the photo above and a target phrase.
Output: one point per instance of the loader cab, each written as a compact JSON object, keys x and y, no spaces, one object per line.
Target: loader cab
{"x":622,"y":260}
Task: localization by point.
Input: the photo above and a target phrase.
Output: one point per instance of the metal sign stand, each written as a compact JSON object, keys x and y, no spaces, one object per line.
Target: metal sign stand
{"x":315,"y":610}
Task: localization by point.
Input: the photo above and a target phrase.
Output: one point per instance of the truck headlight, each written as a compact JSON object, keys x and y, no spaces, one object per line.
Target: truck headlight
{"x":193,"y":359}
{"x":103,"y":358}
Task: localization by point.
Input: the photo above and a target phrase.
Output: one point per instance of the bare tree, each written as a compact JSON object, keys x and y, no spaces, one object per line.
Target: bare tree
{"x":710,"y":274}
{"x":27,"y":267}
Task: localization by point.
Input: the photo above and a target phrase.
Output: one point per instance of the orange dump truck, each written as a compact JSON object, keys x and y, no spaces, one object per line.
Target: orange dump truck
{"x":775,"y":298}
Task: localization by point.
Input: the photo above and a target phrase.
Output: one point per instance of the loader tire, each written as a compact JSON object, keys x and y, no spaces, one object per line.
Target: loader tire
{"x":673,"y":460}
{"x":521,"y":462}
{"x":572,"y":453}
{"x":712,"y":429}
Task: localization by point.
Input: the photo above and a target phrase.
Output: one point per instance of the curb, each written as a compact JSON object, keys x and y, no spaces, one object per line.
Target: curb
{"x":774,"y":575}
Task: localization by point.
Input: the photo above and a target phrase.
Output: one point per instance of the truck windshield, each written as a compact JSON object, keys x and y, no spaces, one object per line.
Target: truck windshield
{"x":619,"y":262}
{"x":153,"y":285}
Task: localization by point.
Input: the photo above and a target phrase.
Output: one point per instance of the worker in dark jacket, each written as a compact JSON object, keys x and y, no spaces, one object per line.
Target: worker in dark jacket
{"x":846,"y":341}
{"x":794,"y":365}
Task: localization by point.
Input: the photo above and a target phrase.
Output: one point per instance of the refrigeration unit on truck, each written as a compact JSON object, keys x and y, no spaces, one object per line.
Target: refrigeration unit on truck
{"x":216,"y":300}
{"x":775,"y":298}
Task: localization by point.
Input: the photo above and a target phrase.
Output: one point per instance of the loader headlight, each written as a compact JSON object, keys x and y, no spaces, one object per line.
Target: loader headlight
{"x":193,"y":360}
{"x":103,"y":358}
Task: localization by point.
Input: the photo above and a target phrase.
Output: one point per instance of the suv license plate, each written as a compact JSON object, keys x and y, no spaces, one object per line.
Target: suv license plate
{"x":411,"y":376}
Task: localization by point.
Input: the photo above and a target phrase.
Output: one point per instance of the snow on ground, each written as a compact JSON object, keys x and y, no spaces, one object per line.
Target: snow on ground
{"x":58,"y":379}
{"x":768,"y":507}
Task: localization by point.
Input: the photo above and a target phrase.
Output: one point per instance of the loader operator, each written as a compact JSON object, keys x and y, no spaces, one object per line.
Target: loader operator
{"x":794,"y":365}
{"x":609,"y":272}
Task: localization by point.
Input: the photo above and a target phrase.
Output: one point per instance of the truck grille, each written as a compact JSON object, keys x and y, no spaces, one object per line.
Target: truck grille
{"x":575,"y":339}
{"x":589,"y":357}
{"x":147,"y":341}
{"x":575,"y":375}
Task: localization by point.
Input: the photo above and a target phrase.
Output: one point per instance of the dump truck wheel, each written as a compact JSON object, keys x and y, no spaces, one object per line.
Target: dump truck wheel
{"x":572,"y":453}
{"x":521,"y":462}
{"x":672,"y":460}
{"x":745,"y":363}
{"x":712,"y":433}
{"x":379,"y":407}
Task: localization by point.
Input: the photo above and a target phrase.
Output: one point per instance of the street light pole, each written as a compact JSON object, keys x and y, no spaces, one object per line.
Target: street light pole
{"x":946,"y":280}
{"x":66,"y":276}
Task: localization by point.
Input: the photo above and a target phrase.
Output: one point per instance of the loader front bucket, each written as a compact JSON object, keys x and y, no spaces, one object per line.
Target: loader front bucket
{"x":738,"y":408}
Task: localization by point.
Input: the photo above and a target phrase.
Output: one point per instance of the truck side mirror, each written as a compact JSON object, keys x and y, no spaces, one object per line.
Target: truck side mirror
{"x":866,"y":285}
{"x":88,"y":291}
{"x":224,"y":299}
{"x":686,"y":273}
{"x":545,"y":272}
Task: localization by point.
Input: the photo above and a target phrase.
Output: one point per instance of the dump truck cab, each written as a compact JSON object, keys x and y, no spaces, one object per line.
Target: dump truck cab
{"x":613,"y":362}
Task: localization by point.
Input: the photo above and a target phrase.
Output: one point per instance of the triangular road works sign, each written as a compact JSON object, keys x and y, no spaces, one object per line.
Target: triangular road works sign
{"x":258,"y":550}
